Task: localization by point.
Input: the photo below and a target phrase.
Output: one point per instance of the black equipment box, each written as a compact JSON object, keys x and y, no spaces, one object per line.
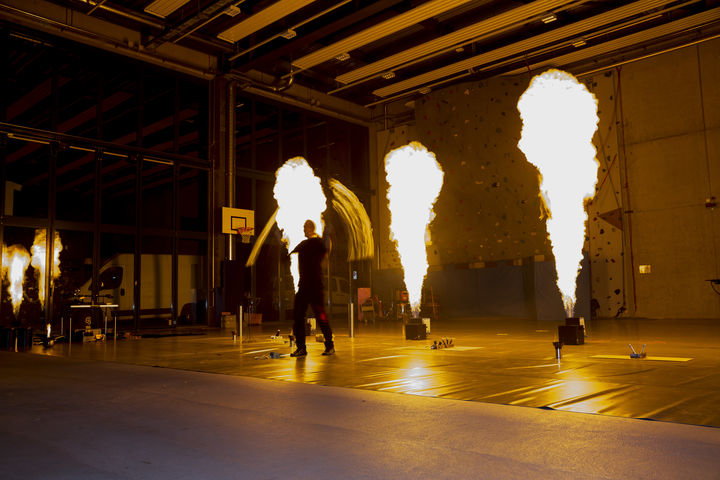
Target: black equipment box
{"x":575,"y":321}
{"x":415,"y":331}
{"x":571,"y":334}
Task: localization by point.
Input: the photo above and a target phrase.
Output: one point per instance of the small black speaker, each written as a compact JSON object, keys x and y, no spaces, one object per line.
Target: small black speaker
{"x":233,"y":273}
{"x":415,"y":331}
{"x":571,"y":334}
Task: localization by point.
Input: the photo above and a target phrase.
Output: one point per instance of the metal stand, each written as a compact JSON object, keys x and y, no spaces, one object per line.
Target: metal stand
{"x":239,"y":323}
{"x":351,"y":318}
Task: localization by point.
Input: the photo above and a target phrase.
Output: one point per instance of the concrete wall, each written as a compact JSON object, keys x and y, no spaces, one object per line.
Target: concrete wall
{"x":658,"y":146}
{"x":671,"y":118}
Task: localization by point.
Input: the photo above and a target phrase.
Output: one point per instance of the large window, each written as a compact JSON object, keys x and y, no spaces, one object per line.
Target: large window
{"x":27,"y":170}
{"x":75,"y":190}
{"x":119,"y":171}
{"x":118,"y":190}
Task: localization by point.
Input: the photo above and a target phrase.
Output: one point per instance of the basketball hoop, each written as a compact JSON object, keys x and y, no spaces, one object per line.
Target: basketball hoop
{"x":245,"y":233}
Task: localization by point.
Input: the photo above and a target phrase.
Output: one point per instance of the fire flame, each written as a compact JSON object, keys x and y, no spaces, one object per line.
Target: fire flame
{"x":559,"y":118}
{"x":15,"y":261}
{"x":252,"y":258}
{"x":299,"y":197}
{"x":348,"y":206}
{"x":38,"y":251}
{"x":415,"y":179}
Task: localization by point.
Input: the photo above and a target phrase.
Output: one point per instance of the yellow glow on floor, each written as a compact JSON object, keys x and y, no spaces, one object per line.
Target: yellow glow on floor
{"x":659,"y":359}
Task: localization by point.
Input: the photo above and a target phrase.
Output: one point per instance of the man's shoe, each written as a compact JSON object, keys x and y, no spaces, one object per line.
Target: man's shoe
{"x":300,"y":352}
{"x":329,"y":351}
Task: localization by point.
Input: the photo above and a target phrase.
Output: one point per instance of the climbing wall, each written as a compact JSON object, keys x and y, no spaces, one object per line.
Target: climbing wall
{"x":653,"y":231}
{"x":489,"y":209}
{"x":604,"y":240}
{"x":489,"y":213}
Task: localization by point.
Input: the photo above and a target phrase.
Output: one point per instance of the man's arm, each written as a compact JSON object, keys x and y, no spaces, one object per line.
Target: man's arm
{"x":297,"y":248}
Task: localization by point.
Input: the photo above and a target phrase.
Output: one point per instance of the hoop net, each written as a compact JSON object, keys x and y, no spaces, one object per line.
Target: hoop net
{"x":245,"y":233}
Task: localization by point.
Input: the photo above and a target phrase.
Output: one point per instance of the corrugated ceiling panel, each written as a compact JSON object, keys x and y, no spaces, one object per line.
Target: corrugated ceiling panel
{"x":693,"y":21}
{"x":163,"y":8}
{"x":482,"y":28}
{"x":561,"y":33}
{"x":262,"y":19}
{"x":381,"y":30}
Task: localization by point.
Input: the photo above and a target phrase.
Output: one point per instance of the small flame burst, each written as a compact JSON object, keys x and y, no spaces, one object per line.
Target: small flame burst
{"x":299,"y":197}
{"x":559,"y":118}
{"x":38,"y":251}
{"x":415,"y":179}
{"x":351,"y":210}
{"x":252,"y":258}
{"x":15,"y":261}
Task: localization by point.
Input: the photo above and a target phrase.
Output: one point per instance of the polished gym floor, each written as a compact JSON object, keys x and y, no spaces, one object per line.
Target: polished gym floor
{"x":489,"y":360}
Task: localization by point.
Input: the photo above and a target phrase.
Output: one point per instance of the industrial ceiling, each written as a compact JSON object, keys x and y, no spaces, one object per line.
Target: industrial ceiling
{"x":371,"y":52}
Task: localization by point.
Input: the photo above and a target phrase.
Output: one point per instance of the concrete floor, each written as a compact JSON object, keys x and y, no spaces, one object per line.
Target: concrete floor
{"x":82,"y":411}
{"x":493,"y":360}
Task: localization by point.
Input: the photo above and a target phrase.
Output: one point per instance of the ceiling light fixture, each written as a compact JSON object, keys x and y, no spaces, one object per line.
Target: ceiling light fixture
{"x":549,"y":18}
{"x":342,"y":57}
{"x":579,"y":43}
{"x":289,"y":34}
{"x":388,"y":75}
{"x":262,"y":19}
{"x":232,"y":10}
{"x":163,"y":8}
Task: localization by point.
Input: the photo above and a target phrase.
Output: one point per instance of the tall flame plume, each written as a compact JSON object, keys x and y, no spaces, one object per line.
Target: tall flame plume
{"x":559,"y":118}
{"x":15,"y":261}
{"x":415,"y":179}
{"x":39,"y":250}
{"x":299,"y":197}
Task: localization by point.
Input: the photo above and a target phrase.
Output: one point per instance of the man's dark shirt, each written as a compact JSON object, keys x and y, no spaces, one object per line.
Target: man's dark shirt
{"x":310,"y":255}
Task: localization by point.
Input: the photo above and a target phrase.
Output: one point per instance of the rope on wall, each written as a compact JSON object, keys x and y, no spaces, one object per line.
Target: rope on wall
{"x":710,"y":195}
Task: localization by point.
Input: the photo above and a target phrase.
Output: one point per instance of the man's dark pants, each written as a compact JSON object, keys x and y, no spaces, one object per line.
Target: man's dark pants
{"x":314,"y":298}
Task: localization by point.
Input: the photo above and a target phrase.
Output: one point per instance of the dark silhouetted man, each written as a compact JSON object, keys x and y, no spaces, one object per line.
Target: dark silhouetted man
{"x":311,"y":253}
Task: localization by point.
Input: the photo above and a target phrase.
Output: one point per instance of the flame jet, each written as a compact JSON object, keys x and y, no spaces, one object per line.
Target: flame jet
{"x":415,"y":179}
{"x":351,"y":210}
{"x":252,"y":258}
{"x":299,"y":197}
{"x":15,"y":261}
{"x":38,"y":251}
{"x":559,"y":118}
{"x":348,"y":206}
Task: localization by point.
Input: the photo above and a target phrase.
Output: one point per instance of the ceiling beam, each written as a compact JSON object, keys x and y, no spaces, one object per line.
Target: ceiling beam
{"x":262,"y":19}
{"x":75,"y":25}
{"x":189,"y":25}
{"x":303,"y":41}
{"x":378,"y":31}
{"x":183,"y":140}
{"x":484,"y":28}
{"x":564,"y":33}
{"x":88,"y":114}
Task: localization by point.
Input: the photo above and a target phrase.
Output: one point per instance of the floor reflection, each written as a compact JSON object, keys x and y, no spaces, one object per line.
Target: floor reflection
{"x":518,"y":367}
